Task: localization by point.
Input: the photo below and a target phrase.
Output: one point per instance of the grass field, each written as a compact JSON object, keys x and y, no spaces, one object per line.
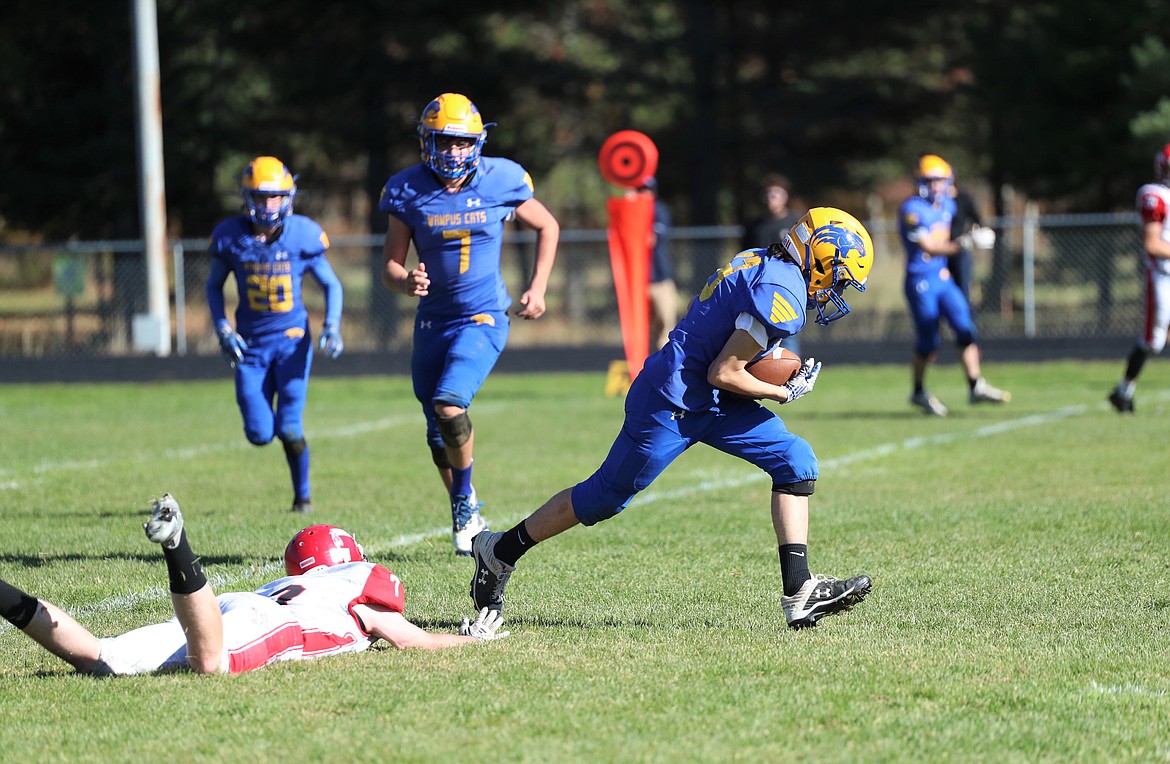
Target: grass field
{"x":1020,"y":557}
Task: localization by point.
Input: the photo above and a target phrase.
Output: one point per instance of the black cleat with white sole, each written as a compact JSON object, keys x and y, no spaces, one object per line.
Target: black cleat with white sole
{"x":821,"y":596}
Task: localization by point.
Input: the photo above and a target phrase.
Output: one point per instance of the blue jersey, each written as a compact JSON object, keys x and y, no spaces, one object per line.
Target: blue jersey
{"x":770,"y":290}
{"x":458,"y":236}
{"x":269,"y":273}
{"x":917,"y":215}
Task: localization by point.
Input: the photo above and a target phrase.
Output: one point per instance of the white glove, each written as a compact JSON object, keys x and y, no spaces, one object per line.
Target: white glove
{"x":983,"y":237}
{"x":803,"y":382}
{"x":485,"y":627}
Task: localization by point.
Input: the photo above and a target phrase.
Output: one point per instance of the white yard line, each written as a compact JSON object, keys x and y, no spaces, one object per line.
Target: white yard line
{"x":1125,"y":689}
{"x":13,"y":479}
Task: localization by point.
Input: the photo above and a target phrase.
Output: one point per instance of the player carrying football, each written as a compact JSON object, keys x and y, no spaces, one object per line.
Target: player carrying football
{"x":269,"y":250}
{"x":453,"y":207}
{"x":332,"y":601}
{"x":697,"y":390}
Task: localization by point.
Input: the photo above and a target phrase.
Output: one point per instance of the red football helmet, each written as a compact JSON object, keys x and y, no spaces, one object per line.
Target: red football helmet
{"x":1162,"y":165}
{"x":320,"y":546}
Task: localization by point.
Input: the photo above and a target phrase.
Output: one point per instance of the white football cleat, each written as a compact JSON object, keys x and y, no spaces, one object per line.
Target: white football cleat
{"x":166,"y":522}
{"x":928,"y":403}
{"x":466,"y":522}
{"x":985,"y":393}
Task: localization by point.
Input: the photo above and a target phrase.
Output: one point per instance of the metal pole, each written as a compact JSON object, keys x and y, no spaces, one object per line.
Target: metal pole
{"x":180,"y":300}
{"x":152,"y":196}
{"x":1030,"y":223}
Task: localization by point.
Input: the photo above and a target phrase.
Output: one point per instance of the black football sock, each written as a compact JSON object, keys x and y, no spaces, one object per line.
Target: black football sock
{"x":794,"y":567}
{"x":1135,"y":362}
{"x":16,"y":607}
{"x":183,"y":568}
{"x":513,"y":544}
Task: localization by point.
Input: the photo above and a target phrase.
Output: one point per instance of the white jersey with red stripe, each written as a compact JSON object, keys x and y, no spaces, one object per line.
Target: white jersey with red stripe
{"x":1153,"y":204}
{"x":291,"y":618}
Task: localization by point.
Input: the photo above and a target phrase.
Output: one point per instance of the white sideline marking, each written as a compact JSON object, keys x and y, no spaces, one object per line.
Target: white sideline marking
{"x":223,"y":581}
{"x":884,"y":449}
{"x":1125,"y":689}
{"x":191,"y":452}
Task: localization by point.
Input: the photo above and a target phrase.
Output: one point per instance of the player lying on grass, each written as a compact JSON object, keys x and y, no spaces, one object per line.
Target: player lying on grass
{"x":697,"y":389}
{"x":331,"y":602}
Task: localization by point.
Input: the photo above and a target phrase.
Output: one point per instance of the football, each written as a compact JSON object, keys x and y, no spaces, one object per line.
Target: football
{"x":776,"y":367}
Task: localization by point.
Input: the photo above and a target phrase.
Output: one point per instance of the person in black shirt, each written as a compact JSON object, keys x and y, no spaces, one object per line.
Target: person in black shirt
{"x":770,"y":228}
{"x":966,"y":217}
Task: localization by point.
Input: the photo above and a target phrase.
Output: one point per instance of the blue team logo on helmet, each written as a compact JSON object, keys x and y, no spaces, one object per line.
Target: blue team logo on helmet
{"x":835,"y":252}
{"x":836,"y":236}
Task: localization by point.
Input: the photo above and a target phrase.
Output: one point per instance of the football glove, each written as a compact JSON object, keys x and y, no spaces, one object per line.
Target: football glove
{"x":231,"y":343}
{"x":803,"y":382}
{"x":485,"y":627}
{"x":982,"y":237}
{"x":331,"y":341}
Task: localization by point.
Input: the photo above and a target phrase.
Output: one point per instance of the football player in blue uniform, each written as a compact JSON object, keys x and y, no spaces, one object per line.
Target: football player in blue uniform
{"x":453,"y":207}
{"x":697,"y":389}
{"x":269,"y":251}
{"x":924,"y":223}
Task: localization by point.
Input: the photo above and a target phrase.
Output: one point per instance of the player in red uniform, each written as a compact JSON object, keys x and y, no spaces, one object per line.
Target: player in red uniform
{"x":332,"y":601}
{"x":1153,"y":201}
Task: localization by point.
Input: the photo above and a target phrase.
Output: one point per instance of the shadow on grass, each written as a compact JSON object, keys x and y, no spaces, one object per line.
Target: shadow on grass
{"x":42,"y":560}
{"x":538,"y":622}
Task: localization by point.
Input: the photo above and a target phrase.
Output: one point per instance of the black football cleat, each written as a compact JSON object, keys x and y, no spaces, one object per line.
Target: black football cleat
{"x":821,"y":596}
{"x":1121,"y":403}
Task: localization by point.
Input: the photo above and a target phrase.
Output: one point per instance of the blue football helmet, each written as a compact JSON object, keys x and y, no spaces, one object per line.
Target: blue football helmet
{"x":834,"y":251}
{"x":931,"y":168}
{"x":265,"y":177}
{"x":451,"y":114}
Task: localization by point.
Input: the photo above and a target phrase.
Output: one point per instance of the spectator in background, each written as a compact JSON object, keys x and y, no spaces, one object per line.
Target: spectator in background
{"x":771,"y":228}
{"x":663,"y":291}
{"x":967,"y":230}
{"x":924,"y":222}
{"x":1153,"y":202}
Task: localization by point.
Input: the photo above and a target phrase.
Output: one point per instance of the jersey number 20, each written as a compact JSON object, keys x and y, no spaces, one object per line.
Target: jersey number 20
{"x":270,"y":294}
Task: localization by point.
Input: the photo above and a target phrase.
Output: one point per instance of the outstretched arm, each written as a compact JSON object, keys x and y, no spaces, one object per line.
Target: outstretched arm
{"x":548,"y":232}
{"x":381,"y":622}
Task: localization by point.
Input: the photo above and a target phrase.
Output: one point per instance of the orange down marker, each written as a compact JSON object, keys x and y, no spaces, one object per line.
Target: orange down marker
{"x":629,"y":159}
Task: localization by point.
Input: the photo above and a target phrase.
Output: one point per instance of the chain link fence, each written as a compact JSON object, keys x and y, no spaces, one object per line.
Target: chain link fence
{"x":1047,"y":277}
